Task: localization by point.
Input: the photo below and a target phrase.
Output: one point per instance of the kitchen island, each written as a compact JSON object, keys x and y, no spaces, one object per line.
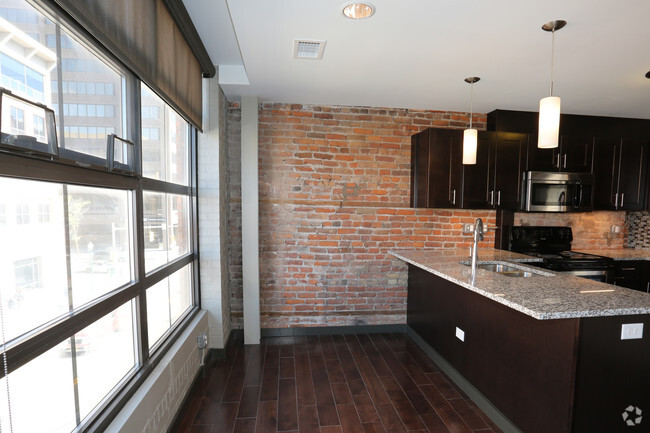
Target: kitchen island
{"x":545,"y":350}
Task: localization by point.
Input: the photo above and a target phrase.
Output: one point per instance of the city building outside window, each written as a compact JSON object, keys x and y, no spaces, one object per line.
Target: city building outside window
{"x":77,"y":259}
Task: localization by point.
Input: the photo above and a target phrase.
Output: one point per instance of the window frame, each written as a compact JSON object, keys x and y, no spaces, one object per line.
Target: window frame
{"x":75,"y":168}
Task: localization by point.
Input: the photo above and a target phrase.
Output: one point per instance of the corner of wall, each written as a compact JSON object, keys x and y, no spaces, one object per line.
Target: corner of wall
{"x":153,"y":407}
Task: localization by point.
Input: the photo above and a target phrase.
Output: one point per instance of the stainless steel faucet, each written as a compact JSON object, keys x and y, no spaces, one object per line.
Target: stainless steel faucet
{"x":478,"y":236}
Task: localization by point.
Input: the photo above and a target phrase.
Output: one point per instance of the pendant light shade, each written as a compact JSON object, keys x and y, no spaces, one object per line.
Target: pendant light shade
{"x":549,"y":107}
{"x":470,"y":140}
{"x":549,"y":122}
{"x":470,"y":136}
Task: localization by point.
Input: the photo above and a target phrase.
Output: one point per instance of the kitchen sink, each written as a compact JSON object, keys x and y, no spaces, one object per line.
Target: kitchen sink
{"x":510,"y":270}
{"x":507,"y":270}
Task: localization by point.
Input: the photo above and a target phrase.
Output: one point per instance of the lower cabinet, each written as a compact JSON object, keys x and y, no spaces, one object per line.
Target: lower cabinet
{"x":633,"y":274}
{"x":562,"y":375}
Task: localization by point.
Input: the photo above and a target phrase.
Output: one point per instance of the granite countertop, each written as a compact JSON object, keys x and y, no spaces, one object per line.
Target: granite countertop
{"x":557,"y":296}
{"x":620,"y":254}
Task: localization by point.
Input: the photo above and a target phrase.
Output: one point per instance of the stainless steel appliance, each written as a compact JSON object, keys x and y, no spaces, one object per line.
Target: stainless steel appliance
{"x":557,"y":192}
{"x":553,"y":244}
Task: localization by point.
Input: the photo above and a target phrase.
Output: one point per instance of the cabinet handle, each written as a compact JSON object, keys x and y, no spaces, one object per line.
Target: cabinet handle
{"x":622,"y":198}
{"x":558,"y":161}
{"x":616,"y":201}
{"x":453,"y":197}
{"x":647,"y":287}
{"x":564,"y":163}
{"x":498,"y":198}
{"x":492,"y":198}
{"x":628,"y":269}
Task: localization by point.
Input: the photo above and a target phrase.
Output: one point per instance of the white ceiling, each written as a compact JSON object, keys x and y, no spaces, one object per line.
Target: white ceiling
{"x":416,"y":53}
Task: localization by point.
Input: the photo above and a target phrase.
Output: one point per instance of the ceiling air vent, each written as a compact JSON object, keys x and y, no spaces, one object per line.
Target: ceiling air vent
{"x":308,"y":49}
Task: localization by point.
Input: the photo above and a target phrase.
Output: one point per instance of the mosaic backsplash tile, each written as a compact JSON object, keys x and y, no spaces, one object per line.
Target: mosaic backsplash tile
{"x":638,"y":224}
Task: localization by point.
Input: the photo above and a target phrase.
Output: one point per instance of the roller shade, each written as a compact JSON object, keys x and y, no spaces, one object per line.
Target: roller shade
{"x":152,"y":40}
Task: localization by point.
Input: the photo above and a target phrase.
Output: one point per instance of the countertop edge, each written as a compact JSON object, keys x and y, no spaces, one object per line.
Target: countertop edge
{"x":518,"y":307}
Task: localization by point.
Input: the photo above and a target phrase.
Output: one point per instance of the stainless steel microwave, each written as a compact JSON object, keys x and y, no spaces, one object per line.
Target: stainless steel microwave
{"x":557,"y":192}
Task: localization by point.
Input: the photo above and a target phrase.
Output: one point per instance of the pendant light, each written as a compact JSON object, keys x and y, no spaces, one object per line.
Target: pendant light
{"x":470,"y":136}
{"x":549,"y":107}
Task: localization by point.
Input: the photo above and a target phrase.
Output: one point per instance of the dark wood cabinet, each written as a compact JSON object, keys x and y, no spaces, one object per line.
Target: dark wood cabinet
{"x":436,"y":168}
{"x":495,"y":181}
{"x":614,"y":149}
{"x":478,"y":179}
{"x":440,"y":180}
{"x":633,"y":274}
{"x":605,"y":170}
{"x":420,"y":169}
{"x":632,"y":178}
{"x":573,"y":154}
{"x":509,"y":165}
{"x":620,"y":172}
{"x":577,"y":375}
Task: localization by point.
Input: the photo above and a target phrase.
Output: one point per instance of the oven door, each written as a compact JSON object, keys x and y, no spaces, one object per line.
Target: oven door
{"x":602,"y":275}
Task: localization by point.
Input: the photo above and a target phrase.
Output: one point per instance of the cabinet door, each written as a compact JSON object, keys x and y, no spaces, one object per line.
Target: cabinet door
{"x":478,"y":179}
{"x":628,"y":273}
{"x":605,"y":173}
{"x":541,"y":159}
{"x":420,"y":169}
{"x":632,"y":174}
{"x":509,"y":165}
{"x":445,"y":167}
{"x":576,"y":154}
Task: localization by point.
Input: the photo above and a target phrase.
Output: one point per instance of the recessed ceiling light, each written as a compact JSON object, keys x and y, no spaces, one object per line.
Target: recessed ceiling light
{"x":358,"y":11}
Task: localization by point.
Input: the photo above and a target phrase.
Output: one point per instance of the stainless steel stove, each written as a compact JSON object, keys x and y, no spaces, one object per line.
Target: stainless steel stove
{"x":553,"y":244}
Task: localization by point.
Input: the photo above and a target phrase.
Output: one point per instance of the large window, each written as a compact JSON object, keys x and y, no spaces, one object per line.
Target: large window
{"x":85,"y":247}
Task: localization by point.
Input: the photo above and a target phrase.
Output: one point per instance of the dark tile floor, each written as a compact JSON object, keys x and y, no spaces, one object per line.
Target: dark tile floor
{"x":364,"y":383}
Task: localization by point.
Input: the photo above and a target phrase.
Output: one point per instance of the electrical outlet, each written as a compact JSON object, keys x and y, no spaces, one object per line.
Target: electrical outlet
{"x":632,"y":331}
{"x":460,"y":334}
{"x":469,"y":228}
{"x":202,"y":340}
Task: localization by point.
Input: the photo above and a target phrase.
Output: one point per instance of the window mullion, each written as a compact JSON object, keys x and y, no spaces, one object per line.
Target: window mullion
{"x":141,"y":299}
{"x":73,"y":344}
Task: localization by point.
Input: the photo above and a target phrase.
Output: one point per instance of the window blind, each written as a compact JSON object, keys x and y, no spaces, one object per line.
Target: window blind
{"x":156,"y":40}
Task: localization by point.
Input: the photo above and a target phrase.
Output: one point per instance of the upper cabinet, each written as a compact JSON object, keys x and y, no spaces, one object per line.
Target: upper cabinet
{"x":573,"y":154}
{"x":619,"y":164}
{"x":440,"y":180}
{"x":436,"y":168}
{"x":495,"y":181}
{"x":620,"y":171}
{"x":509,"y":165}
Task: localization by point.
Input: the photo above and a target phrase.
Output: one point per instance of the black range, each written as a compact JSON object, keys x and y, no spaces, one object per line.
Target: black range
{"x":553,"y":244}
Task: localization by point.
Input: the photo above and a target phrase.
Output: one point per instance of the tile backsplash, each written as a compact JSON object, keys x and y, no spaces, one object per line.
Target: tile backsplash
{"x":638,"y":224}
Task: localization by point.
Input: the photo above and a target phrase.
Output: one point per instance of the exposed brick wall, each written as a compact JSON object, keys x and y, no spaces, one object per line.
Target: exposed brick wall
{"x":591,"y":230}
{"x":334,"y":197}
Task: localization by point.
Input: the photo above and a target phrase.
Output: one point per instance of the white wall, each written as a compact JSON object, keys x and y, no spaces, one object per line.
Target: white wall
{"x":153,"y":407}
{"x":212,"y":169}
{"x":250,"y":219}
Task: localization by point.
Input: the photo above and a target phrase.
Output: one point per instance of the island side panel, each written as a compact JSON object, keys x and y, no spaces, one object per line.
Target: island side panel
{"x":524,"y":366}
{"x":613,"y":375}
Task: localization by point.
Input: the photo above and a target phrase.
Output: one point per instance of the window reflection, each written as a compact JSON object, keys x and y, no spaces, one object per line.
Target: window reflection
{"x":166,"y":228}
{"x":165,"y":141}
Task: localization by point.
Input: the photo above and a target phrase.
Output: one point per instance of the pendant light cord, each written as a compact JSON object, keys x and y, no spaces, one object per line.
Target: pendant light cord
{"x":552,"y":59}
{"x":471,"y":105}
